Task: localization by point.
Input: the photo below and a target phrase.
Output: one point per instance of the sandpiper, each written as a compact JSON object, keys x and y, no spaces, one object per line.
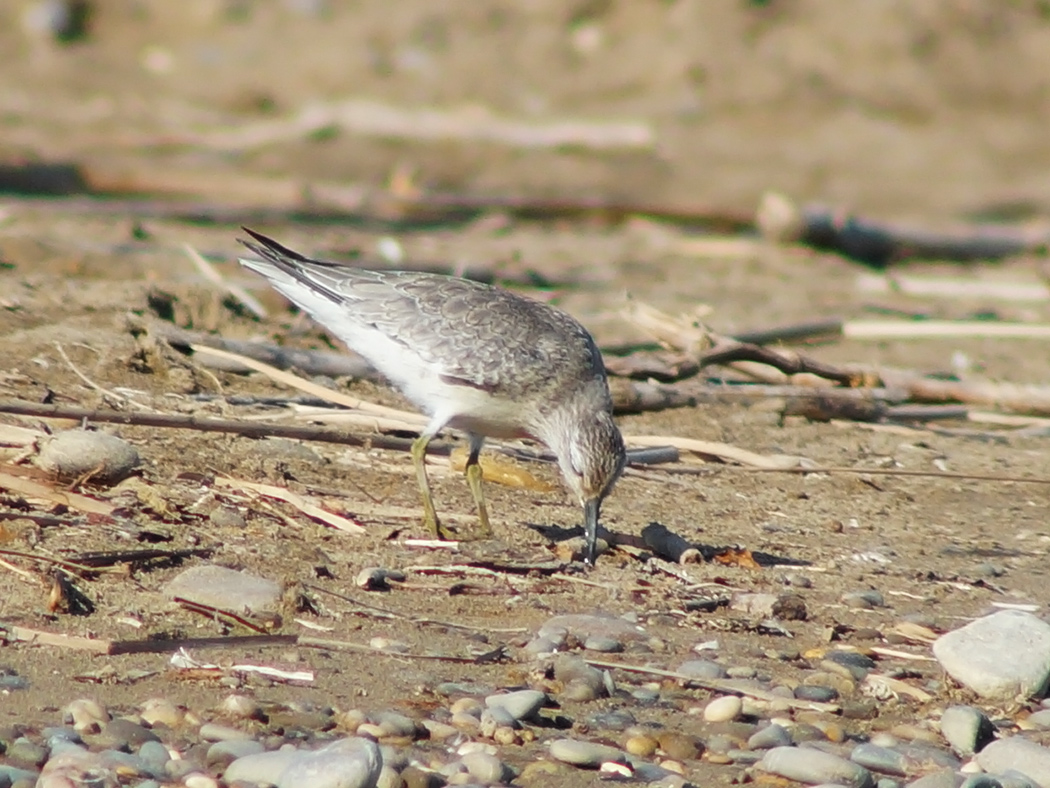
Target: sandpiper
{"x":473,"y":357}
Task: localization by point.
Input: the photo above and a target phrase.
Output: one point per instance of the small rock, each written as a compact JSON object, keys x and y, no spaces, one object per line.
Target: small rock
{"x":86,"y":715}
{"x":226,"y":517}
{"x":680,"y":746}
{"x":880,"y":759}
{"x":376,"y":578}
{"x":120,"y":734}
{"x":946,"y":778}
{"x":24,"y":752}
{"x":584,"y":753}
{"x":345,"y":763}
{"x":640,"y":745}
{"x":603,"y":644}
{"x":769,"y":737}
{"x":520,"y":705}
{"x":414,"y":777}
{"x":485,"y":768}
{"x":816,"y":692}
{"x":966,"y":729}
{"x":723,"y":709}
{"x":259,"y":768}
{"x":161,"y":711}
{"x":200,"y":780}
{"x":864,"y":600}
{"x":98,"y":456}
{"x":812,"y":766}
{"x":1019,"y":754}
{"x":213,"y":731}
{"x":226,"y":589}
{"x":240,"y":707}
{"x":583,"y":627}
{"x":973,"y":655}
{"x":222,"y":753}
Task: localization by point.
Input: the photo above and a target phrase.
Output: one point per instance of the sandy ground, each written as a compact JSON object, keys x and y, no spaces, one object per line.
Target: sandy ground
{"x":897,"y":111}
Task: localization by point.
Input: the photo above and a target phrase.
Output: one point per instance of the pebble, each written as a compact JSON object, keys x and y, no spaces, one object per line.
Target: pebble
{"x":260,"y":767}
{"x":1039,"y":719}
{"x":880,"y":759}
{"x":640,"y":745}
{"x":769,"y":737}
{"x":345,"y":763}
{"x":486,"y":768}
{"x":864,"y":600}
{"x":213,"y":731}
{"x":415,"y":777}
{"x":23,"y":752}
{"x":240,"y":707}
{"x":966,"y":729}
{"x":603,"y":644}
{"x":680,"y":746}
{"x":1017,"y":753}
{"x":582,"y":681}
{"x":946,"y":778}
{"x":100,"y":456}
{"x":584,"y":753}
{"x":123,"y":733}
{"x":86,"y":715}
{"x":520,"y":705}
{"x":973,"y":655}
{"x":161,"y":711}
{"x":222,"y":753}
{"x":813,"y":767}
{"x":583,"y":627}
{"x":815,"y":692}
{"x":226,"y":589}
{"x":723,"y":709}
{"x":11,"y":775}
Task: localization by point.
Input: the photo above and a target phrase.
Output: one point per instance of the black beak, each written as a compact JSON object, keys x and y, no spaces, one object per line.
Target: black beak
{"x":590,"y":529}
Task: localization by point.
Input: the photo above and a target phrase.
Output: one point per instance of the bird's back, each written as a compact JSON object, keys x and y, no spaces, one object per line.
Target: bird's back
{"x":467,"y":333}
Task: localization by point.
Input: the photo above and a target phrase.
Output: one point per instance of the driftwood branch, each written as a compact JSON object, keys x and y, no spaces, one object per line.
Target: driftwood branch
{"x":879,"y":244}
{"x":207,"y":424}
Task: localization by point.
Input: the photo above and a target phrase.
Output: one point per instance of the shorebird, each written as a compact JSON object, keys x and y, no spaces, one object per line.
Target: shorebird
{"x":472,"y":357}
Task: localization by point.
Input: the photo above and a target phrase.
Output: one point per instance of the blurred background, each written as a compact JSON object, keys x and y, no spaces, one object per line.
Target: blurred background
{"x":937,"y":109}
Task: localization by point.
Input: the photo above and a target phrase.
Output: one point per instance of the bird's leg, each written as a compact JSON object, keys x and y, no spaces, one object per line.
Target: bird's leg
{"x":474,"y":474}
{"x":419,"y":459}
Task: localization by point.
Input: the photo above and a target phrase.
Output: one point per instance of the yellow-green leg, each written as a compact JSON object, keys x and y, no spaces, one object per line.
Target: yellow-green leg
{"x":473,"y":471}
{"x":419,"y":459}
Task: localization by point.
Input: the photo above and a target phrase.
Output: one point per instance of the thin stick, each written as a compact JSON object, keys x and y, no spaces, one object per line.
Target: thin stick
{"x":942,"y":329}
{"x":205,"y":424}
{"x":47,"y":493}
{"x":209,"y":272}
{"x":19,"y":570}
{"x":714,"y":685}
{"x":92,"y":384}
{"x":977,"y":477}
{"x":300,"y":503}
{"x":70,"y":565}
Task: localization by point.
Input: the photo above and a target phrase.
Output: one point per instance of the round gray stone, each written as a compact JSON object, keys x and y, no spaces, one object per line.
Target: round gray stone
{"x":520,"y":705}
{"x":973,"y":655}
{"x":966,"y":729}
{"x":346,"y":763}
{"x":584,"y":753}
{"x":812,"y":766}
{"x":1023,"y":755}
